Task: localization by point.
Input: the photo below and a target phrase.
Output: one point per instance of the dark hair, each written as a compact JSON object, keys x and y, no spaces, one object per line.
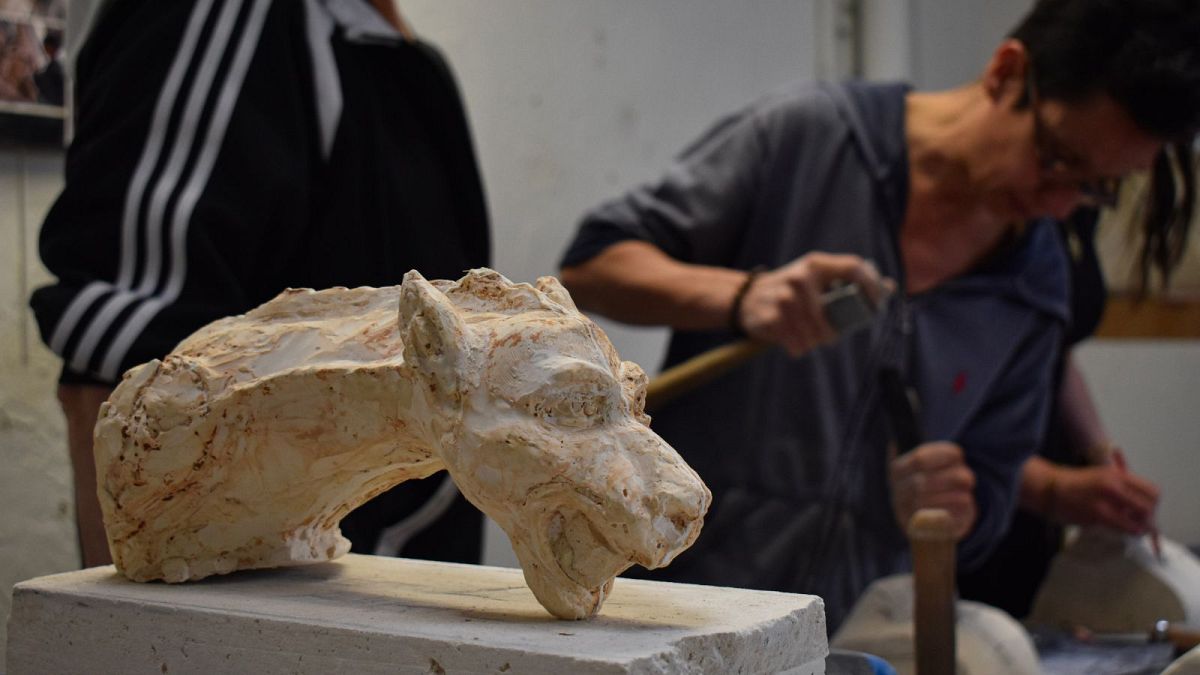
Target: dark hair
{"x":1145,"y":55}
{"x":1169,"y":213}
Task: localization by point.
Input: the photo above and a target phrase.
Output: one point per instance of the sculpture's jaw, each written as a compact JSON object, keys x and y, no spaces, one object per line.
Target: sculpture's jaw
{"x":624,"y":498}
{"x":567,"y":563}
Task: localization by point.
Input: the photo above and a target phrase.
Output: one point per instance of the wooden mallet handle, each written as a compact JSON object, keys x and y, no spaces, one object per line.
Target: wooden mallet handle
{"x":931,"y":534}
{"x":699,"y":370}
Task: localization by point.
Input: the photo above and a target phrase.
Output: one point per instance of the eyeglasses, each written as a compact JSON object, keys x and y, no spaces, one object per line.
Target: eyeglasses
{"x":1056,"y":161}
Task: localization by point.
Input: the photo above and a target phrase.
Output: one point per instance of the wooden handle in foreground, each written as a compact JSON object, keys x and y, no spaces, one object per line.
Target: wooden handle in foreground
{"x":698,"y":370}
{"x":931,"y":534}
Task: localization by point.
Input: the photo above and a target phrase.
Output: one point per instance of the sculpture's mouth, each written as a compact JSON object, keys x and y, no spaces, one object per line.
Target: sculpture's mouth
{"x":589,"y":548}
{"x":590,"y":536}
{"x":581,"y":550}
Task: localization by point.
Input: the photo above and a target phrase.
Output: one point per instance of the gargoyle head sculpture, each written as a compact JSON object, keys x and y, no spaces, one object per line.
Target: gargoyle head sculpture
{"x":247,"y":445}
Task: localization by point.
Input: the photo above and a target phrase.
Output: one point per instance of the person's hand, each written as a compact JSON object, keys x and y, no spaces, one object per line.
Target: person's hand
{"x":783,"y":306}
{"x":934,"y":475}
{"x":1107,"y":495}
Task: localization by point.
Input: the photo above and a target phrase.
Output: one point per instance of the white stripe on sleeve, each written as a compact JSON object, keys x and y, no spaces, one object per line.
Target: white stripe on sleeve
{"x":165,"y":186}
{"x":327,"y":85}
{"x":133,"y":197}
{"x":181,"y":217}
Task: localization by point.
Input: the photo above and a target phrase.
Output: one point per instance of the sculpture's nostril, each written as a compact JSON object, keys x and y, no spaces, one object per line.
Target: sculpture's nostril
{"x":680,"y":521}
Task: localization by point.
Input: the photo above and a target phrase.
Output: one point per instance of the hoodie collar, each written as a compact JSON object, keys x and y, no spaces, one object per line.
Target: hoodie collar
{"x":874,"y":114}
{"x":1034,"y":271}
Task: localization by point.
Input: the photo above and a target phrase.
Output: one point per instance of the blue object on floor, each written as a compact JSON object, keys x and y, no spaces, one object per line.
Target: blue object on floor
{"x":847,"y":662}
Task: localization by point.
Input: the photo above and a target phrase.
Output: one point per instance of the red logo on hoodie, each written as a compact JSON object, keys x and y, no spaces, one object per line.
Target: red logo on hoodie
{"x":960,"y":381}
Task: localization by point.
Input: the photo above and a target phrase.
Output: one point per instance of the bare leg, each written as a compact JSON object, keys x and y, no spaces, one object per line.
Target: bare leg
{"x":81,"y":404}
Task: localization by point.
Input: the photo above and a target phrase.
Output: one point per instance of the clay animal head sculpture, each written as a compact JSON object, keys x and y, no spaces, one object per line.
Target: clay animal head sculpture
{"x":246,"y":446}
{"x":1113,"y":583}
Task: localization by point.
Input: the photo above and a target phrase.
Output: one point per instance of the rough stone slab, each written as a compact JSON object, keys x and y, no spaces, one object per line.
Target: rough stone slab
{"x":366,"y":614}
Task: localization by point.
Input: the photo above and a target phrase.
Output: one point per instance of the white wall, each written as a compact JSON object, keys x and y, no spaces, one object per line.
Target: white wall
{"x":574,"y":102}
{"x":953,"y":39}
{"x":37,"y":507}
{"x":37,"y":525}
{"x":935,"y":44}
{"x":886,"y":48}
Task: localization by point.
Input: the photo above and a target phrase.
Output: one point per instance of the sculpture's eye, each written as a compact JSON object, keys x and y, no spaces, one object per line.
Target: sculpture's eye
{"x":579,"y":397}
{"x":580,"y":407}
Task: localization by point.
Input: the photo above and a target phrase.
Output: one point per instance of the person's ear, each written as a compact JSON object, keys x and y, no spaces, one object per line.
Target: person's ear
{"x":1004,"y":75}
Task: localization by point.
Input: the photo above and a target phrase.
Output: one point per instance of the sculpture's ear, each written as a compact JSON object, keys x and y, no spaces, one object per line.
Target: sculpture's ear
{"x":435,"y":336}
{"x":554,"y":290}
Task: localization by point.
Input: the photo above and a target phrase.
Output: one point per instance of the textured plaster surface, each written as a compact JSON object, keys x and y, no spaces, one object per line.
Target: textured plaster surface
{"x":366,"y":614}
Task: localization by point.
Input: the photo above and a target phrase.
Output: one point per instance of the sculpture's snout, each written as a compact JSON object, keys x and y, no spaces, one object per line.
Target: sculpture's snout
{"x":663,"y":501}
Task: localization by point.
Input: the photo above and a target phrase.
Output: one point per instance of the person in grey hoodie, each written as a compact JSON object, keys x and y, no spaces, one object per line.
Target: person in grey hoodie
{"x":953,"y":196}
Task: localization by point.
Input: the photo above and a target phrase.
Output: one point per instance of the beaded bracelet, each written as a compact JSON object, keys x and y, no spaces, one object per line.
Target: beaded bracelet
{"x":735,"y":311}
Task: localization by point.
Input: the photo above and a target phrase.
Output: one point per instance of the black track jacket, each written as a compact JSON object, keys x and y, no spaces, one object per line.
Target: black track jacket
{"x":229,"y":149}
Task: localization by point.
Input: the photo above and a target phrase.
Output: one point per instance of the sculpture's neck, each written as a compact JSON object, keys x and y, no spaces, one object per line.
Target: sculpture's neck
{"x":404,"y":413}
{"x":382,"y":412}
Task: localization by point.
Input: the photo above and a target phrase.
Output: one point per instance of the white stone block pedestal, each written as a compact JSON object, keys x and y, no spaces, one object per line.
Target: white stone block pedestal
{"x":364,"y":614}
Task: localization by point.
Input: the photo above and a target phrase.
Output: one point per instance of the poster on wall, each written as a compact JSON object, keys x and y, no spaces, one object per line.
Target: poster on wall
{"x":32,"y":83}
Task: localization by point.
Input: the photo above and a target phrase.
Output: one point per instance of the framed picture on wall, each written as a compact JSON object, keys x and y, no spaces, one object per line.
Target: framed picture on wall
{"x":32,"y":79}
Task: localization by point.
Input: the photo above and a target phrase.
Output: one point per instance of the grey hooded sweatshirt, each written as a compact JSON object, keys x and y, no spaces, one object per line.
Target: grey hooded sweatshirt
{"x":795,"y":450}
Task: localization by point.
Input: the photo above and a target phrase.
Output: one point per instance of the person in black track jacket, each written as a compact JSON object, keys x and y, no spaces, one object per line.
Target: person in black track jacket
{"x":226,"y":150}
